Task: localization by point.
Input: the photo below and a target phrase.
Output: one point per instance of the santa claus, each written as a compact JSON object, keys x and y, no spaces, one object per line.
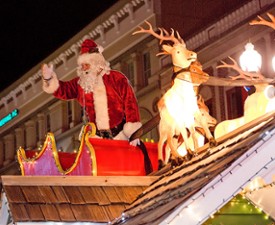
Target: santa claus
{"x":106,"y":95}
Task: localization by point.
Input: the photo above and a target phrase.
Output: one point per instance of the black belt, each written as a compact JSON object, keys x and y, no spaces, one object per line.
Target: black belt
{"x":112,"y":132}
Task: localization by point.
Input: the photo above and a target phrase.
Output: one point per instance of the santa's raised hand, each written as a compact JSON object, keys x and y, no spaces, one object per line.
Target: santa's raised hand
{"x":50,"y":81}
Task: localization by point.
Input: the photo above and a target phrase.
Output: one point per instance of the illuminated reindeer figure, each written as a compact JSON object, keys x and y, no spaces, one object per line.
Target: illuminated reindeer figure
{"x":169,"y":133}
{"x":179,"y":111}
{"x":256,"y":104}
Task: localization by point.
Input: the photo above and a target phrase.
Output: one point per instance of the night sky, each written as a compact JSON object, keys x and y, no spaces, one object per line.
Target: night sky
{"x":33,"y":29}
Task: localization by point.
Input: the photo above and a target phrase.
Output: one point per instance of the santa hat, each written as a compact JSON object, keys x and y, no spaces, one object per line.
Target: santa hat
{"x":89,"y":46}
{"x":90,"y":51}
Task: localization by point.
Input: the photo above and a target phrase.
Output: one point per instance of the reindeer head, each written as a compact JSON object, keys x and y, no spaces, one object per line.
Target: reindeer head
{"x":198,"y":76}
{"x":181,"y":56}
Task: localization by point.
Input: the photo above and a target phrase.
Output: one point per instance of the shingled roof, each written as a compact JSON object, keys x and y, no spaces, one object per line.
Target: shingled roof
{"x":195,"y":190}
{"x":71,"y":198}
{"x":191,"y":192}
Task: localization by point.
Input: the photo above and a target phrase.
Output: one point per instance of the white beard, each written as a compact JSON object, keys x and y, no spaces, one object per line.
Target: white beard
{"x":88,"y":80}
{"x":98,"y":67}
{"x":92,"y":81}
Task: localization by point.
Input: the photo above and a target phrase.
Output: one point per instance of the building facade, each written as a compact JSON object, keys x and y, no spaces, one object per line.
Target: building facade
{"x":27,"y":113}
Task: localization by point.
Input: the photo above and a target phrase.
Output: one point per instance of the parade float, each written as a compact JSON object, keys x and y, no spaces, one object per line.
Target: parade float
{"x":217,"y":170}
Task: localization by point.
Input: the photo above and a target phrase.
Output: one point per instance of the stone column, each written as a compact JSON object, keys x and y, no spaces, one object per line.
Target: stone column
{"x":59,"y":117}
{"x":19,"y":138}
{"x":30,"y":131}
{"x":2,"y":153}
{"x":9,"y":148}
{"x":42,"y":129}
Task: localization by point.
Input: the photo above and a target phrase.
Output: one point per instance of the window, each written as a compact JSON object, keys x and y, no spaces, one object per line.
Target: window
{"x":234,"y":103}
{"x":130,"y":73}
{"x":146,"y":65}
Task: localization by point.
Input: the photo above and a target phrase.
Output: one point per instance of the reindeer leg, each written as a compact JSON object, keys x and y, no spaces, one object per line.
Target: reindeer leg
{"x":194,"y":139}
{"x":209,"y":136}
{"x":173,"y":145}
{"x":190,"y":153}
{"x":202,"y":121}
{"x":160,"y":153}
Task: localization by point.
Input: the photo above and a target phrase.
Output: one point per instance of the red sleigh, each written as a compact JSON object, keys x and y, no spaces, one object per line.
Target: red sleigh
{"x":95,"y":157}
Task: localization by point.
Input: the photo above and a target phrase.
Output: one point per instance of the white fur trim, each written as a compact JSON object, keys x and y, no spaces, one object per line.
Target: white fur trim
{"x":100,"y":49}
{"x":52,"y":85}
{"x":129,"y":128}
{"x":89,"y":58}
{"x":101,"y":105}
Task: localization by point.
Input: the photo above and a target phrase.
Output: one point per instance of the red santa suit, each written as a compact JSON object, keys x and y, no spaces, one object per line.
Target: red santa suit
{"x":109,"y":101}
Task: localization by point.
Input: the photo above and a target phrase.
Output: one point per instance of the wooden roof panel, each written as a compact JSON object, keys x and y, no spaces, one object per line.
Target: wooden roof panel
{"x":113,"y":194}
{"x":128,"y":195}
{"x":74,"y":195}
{"x":88,"y":195}
{"x":35,"y":212}
{"x":60,"y":194}
{"x":15,"y":194}
{"x":65,"y":212}
{"x":50,"y":212}
{"x":19,"y":212}
{"x":90,"y":213}
{"x":100,"y":196}
{"x":32,"y":194}
{"x":47,"y":194}
{"x":71,"y":198}
{"x":114,"y":211}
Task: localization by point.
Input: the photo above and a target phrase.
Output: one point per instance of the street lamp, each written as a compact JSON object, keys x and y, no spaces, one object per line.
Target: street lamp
{"x":250,"y":59}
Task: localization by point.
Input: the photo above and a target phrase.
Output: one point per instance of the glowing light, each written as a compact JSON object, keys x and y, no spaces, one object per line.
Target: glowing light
{"x":266,"y":217}
{"x":192,"y":211}
{"x":182,"y":150}
{"x":250,"y":60}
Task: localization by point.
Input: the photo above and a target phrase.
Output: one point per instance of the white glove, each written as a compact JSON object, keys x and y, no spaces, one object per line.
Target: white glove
{"x":47,"y":71}
{"x":135,"y":142}
{"x":50,"y":81}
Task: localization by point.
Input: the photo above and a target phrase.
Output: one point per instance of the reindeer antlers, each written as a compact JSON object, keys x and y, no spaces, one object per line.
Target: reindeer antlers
{"x":242,"y":74}
{"x":262,"y":21}
{"x":163,"y":36}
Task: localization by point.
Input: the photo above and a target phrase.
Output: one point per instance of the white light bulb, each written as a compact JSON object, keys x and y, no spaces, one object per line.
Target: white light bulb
{"x":250,"y":59}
